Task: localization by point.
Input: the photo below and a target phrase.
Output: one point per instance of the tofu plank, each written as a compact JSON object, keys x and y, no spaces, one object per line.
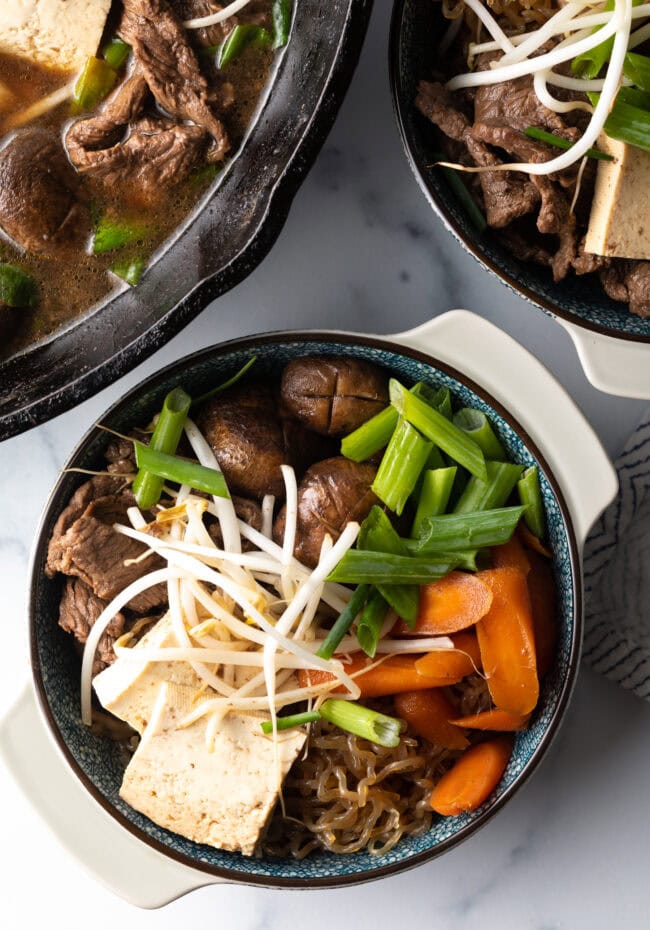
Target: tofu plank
{"x":58,"y":33}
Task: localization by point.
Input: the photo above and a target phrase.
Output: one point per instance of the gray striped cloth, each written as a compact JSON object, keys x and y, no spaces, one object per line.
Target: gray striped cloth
{"x":617,"y":582}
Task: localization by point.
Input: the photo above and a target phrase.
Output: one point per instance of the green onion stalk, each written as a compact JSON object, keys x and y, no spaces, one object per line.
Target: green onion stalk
{"x":180,"y":470}
{"x":147,"y":487}
{"x":461,"y":531}
{"x":530,"y":494}
{"x":362,"y":721}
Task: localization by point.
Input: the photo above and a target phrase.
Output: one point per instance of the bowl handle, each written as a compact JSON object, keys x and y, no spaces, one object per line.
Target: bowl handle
{"x":616,"y":366}
{"x":529,"y":391}
{"x":114,"y":857}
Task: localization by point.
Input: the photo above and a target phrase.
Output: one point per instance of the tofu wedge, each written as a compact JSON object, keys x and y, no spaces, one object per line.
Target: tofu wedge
{"x":221,"y":798}
{"x":619,"y":224}
{"x":58,"y":33}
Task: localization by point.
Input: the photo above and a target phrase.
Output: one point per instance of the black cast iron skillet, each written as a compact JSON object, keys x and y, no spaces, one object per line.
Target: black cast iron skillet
{"x":226,"y":237}
{"x":417,"y":27}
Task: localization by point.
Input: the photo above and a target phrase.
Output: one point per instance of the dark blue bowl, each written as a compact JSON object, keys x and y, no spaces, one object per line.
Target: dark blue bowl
{"x":98,"y":763}
{"x":415,"y":28}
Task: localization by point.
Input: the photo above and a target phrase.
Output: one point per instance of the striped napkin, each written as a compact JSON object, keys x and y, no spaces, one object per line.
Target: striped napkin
{"x":617,"y":577}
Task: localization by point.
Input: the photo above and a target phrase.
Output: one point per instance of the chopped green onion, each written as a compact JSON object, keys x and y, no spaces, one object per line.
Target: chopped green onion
{"x":476,"y":217}
{"x":95,"y":82}
{"x":281,"y":16}
{"x":634,"y":97}
{"x":363,"y":722}
{"x":561,"y":143}
{"x":400,"y":467}
{"x":371,"y":436}
{"x":494,"y":492}
{"x":637,"y":69}
{"x":377,"y":534}
{"x":344,"y":622}
{"x":451,"y":531}
{"x":290,"y":721}
{"x":180,"y":470}
{"x":371,"y":622}
{"x":628,"y":123}
{"x":116,"y":53}
{"x":530,"y":494}
{"x":226,"y":384}
{"x":476,"y":424}
{"x":438,"y":429}
{"x":239,"y":39}
{"x":364,"y":567}
{"x":147,"y":487}
{"x":17,"y":288}
{"x":434,"y":496}
{"x":438,"y":398}
{"x":111,"y":235}
{"x":129,"y":270}
{"x":591,"y":63}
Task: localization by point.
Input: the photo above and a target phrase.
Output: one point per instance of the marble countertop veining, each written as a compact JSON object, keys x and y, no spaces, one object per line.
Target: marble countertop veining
{"x":361,"y":250}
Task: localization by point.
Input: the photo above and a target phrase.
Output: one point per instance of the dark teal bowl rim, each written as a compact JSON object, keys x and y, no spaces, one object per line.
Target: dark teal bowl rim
{"x":57,"y":500}
{"x":432,"y":187}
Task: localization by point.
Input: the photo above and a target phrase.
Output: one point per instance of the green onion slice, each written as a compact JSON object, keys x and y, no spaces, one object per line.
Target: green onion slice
{"x":530,"y":494}
{"x":17,"y":288}
{"x":371,"y":622}
{"x":494,"y":492}
{"x":129,"y":269}
{"x":290,"y":721}
{"x":344,"y":622}
{"x":452,"y":531}
{"x":363,"y":722}
{"x":435,"y":492}
{"x":239,"y":39}
{"x":147,"y":487}
{"x":363,"y":566}
{"x":226,"y":384}
{"x":560,"y":142}
{"x":281,"y":16}
{"x":180,"y":470}
{"x":400,"y":467}
{"x":95,"y":82}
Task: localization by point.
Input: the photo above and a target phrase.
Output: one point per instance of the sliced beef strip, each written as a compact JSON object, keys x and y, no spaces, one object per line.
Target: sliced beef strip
{"x":629,"y":281}
{"x":107,"y":127}
{"x":78,"y":610}
{"x":506,"y":195}
{"x":40,"y":206}
{"x":84,"y":544}
{"x":170,"y":67}
{"x":588,"y":263}
{"x":197,"y":9}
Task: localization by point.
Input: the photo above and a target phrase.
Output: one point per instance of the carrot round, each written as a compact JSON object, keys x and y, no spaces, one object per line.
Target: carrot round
{"x":428,"y":713}
{"x":392,"y":676}
{"x":511,"y":555}
{"x":494,"y":719}
{"x":452,"y":603}
{"x":543,"y":600}
{"x":447,"y":665}
{"x":473,"y":777}
{"x":507,"y":643}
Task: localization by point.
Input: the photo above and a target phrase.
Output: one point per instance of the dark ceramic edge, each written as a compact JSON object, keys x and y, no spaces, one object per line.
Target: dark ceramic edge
{"x":233,"y":875}
{"x":394,"y":48}
{"x":258,"y":246}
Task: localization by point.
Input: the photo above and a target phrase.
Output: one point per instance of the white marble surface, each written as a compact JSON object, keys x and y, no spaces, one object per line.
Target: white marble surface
{"x":361,"y":250}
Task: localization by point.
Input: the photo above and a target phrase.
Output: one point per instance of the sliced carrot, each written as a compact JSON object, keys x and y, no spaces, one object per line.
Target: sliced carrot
{"x":531,"y":541}
{"x":473,"y":777}
{"x":452,"y":603}
{"x":428,"y":713}
{"x":448,"y":665}
{"x":467,"y":641}
{"x":511,"y":555}
{"x":543,"y":599}
{"x":494,"y":719}
{"x":394,"y":675}
{"x":507,"y":643}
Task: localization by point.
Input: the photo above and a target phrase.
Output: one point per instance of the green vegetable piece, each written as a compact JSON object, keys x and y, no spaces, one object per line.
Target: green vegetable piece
{"x":17,"y":288}
{"x":240,"y":38}
{"x":345,"y":620}
{"x":456,"y":183}
{"x":377,"y":534}
{"x":290,"y":721}
{"x":434,"y":496}
{"x":95,"y":82}
{"x":168,"y":430}
{"x":116,"y":53}
{"x":371,"y":436}
{"x":363,"y":722}
{"x":226,"y":384}
{"x":361,"y":566}
{"x":180,"y":470}
{"x":637,"y":69}
{"x":129,"y":269}
{"x":281,"y":15}
{"x":561,"y":143}
{"x":432,"y":424}
{"x":530,"y":495}
{"x":629,"y":118}
{"x":371,"y":622}
{"x":452,"y":531}
{"x":111,"y":235}
{"x":490,"y":493}
{"x":591,"y":63}
{"x":476,"y":424}
{"x":399,"y":470}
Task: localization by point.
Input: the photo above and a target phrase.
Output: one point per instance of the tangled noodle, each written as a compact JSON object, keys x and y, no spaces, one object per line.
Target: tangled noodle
{"x":517,"y":13}
{"x":346,"y":794}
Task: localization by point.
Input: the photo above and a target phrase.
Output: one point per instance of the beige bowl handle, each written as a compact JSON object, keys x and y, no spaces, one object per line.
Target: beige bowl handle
{"x":616,"y":366}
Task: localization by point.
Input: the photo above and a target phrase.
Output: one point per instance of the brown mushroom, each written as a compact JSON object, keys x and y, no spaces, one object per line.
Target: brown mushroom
{"x":331,"y":494}
{"x":333,"y":395}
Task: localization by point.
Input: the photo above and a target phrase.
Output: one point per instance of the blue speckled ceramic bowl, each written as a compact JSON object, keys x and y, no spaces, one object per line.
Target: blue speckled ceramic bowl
{"x":97,"y":762}
{"x":415,"y":26}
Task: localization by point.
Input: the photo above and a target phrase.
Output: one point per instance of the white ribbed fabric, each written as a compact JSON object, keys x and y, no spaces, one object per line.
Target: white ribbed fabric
{"x":617,"y":575}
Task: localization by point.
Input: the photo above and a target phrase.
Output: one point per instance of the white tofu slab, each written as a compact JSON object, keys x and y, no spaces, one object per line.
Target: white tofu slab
{"x":221,"y":798}
{"x":619,"y":224}
{"x":57,"y":33}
